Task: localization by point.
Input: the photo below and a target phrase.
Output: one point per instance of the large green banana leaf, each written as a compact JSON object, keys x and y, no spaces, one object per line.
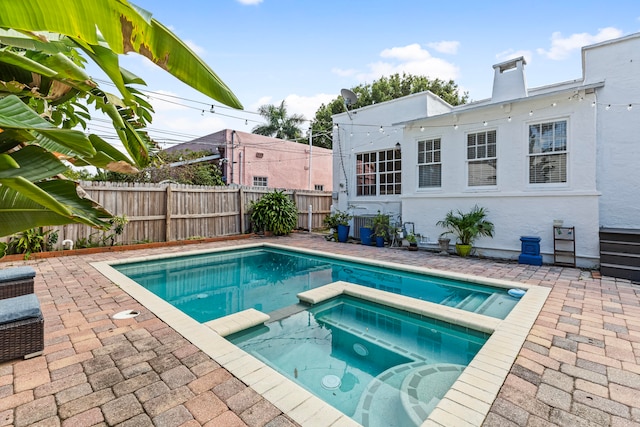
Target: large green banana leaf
{"x":124,"y":28}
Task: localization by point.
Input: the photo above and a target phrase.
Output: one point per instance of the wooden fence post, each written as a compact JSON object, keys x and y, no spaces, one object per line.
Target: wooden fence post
{"x":242,"y":221}
{"x":167,"y":218}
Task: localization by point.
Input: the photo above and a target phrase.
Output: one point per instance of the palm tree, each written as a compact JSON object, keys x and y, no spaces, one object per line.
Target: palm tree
{"x":42,"y":78}
{"x":279,"y":125}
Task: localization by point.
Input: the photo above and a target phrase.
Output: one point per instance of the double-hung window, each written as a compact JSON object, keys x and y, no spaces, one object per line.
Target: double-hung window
{"x":482,"y":159}
{"x":379,"y":173}
{"x":260,"y":181}
{"x":548,"y":152}
{"x":429,"y":164}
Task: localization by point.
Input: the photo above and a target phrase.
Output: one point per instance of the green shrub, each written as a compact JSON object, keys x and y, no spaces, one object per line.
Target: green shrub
{"x":274,"y":212}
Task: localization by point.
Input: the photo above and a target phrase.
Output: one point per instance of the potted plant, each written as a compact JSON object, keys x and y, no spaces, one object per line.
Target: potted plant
{"x":467,"y":227}
{"x":339,"y":221}
{"x":275,"y":212}
{"x":381,"y":228}
{"x":413,"y":242}
{"x":365,"y":233}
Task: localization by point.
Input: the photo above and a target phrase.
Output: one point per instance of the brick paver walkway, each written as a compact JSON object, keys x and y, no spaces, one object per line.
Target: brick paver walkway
{"x":580,"y":365}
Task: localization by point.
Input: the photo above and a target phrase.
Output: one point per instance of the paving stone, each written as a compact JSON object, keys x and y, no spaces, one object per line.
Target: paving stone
{"x":66,"y":371}
{"x":121,"y":409}
{"x":576,"y":372}
{"x":166,"y":401}
{"x":91,"y":417}
{"x":178,"y":376}
{"x":211,"y":380}
{"x":73,"y":393}
{"x":98,"y":364}
{"x":228,"y":388}
{"x":515,"y":414}
{"x":558,"y":380}
{"x":105,"y":379}
{"x":53,"y":421}
{"x":587,"y":340}
{"x":16,"y":399}
{"x":173,"y":417}
{"x":260,"y":413}
{"x":603,"y":404}
{"x":204,"y":368}
{"x":281,"y":421}
{"x":151,"y":391}
{"x":137,"y":334}
{"x":592,"y":366}
{"x":35,"y":411}
{"x":205,"y":406}
{"x":135,"y":359}
{"x":135,"y":370}
{"x":133,"y":384}
{"x":564,"y":343}
{"x":141,"y":420}
{"x":59,"y":385}
{"x":243,"y":400}
{"x":146,"y":344}
{"x":554,"y":397}
{"x":563,"y":418}
{"x":625,"y":378}
{"x":163,"y":363}
{"x":493,"y":419}
{"x":6,"y":417}
{"x":592,"y":414}
{"x":85,"y":403}
{"x":526,"y":374}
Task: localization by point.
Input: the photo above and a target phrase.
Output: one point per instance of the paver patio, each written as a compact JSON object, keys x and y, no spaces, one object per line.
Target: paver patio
{"x":580,"y":365}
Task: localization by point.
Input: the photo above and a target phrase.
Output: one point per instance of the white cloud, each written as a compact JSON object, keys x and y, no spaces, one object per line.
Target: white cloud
{"x":411,"y":59}
{"x":510,"y":54}
{"x":344,"y":73}
{"x":445,"y":46}
{"x":260,"y":102}
{"x":199,"y":50}
{"x":307,"y":105}
{"x":249,"y":2}
{"x":561,"y":47}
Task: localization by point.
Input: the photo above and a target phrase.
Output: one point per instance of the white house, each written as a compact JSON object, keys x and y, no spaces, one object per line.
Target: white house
{"x":568,"y":151}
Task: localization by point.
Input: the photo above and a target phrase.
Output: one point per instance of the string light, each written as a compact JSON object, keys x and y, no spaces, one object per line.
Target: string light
{"x":381,"y":130}
{"x":421,"y":128}
{"x":554,"y":104}
{"x":530,"y":113}
{"x":629,"y":107}
{"x":455,"y":127}
{"x":211,"y":110}
{"x":608,"y":107}
{"x":593,"y":104}
{"x":509,"y":119}
{"x":484,"y":123}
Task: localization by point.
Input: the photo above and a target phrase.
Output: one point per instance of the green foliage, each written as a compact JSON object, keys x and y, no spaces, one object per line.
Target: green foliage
{"x":106,"y":237}
{"x":274,"y":212}
{"x":381,"y":225}
{"x":381,"y":90}
{"x":279,"y":123}
{"x":337,"y":218}
{"x":32,"y":240}
{"x":45,"y":91}
{"x":467,"y":226}
{"x":411,"y":238}
{"x":204,"y":173}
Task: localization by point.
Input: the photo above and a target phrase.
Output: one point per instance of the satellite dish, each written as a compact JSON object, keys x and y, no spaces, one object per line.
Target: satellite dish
{"x":349,"y":97}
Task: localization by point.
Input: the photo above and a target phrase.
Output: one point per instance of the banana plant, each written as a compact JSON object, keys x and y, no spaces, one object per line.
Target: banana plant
{"x":42,"y":79}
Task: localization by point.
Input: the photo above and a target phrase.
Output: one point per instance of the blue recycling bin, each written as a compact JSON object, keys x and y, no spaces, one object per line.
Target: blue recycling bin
{"x":530,"y":250}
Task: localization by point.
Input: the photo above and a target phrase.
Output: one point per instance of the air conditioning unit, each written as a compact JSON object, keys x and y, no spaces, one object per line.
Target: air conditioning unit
{"x":361,"y":221}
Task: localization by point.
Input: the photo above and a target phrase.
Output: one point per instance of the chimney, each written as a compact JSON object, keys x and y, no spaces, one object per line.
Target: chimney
{"x":508,"y":80}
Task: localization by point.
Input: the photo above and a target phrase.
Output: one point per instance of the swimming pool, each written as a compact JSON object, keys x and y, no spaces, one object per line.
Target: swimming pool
{"x":210,"y":286}
{"x":381,"y":366}
{"x":466,"y":403}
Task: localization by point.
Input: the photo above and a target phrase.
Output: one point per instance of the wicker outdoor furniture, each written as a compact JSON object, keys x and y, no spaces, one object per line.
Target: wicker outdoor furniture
{"x":21,"y":320}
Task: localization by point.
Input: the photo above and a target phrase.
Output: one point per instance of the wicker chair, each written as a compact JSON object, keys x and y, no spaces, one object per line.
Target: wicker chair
{"x":21,"y":320}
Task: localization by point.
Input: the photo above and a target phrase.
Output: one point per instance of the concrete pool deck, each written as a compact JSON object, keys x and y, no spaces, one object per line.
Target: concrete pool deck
{"x":579,"y":365}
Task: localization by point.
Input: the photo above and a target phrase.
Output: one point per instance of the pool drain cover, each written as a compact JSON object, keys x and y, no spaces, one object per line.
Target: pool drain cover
{"x":127,"y":314}
{"x":360,"y":349}
{"x":330,"y":382}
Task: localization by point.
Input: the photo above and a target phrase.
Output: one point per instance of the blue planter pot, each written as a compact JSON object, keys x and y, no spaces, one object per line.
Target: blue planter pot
{"x":365,"y":236}
{"x":380,"y":242}
{"x":343,"y":233}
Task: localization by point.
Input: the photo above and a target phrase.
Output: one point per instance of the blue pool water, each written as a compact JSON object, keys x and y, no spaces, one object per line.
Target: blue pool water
{"x":209,"y":286}
{"x":378,"y":365}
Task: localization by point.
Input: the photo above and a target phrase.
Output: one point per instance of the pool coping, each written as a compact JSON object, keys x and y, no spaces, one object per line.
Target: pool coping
{"x":468,"y":401}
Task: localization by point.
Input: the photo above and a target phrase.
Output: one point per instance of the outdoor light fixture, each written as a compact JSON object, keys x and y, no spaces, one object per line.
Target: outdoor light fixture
{"x":398,"y":146}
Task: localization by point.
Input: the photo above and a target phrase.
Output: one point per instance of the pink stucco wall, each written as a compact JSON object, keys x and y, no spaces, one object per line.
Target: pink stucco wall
{"x":284,"y":163}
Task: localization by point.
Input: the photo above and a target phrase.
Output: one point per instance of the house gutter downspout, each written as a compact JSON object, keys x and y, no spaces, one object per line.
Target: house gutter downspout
{"x":233,"y":132}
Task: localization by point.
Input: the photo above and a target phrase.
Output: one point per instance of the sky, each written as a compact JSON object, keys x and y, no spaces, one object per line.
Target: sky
{"x":304,"y":52}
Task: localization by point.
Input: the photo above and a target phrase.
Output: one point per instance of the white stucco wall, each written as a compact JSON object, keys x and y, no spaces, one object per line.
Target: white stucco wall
{"x":515,"y":207}
{"x":618,"y":131}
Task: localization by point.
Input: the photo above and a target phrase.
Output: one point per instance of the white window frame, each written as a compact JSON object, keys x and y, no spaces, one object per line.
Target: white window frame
{"x":257,"y":181}
{"x":432,"y":157}
{"x":552,"y":152}
{"x":374,"y":175}
{"x":484,"y":157}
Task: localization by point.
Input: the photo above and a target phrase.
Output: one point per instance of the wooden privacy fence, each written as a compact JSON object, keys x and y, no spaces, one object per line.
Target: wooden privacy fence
{"x":166,"y":212}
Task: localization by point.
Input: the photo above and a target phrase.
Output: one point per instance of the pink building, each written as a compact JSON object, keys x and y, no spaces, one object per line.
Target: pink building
{"x":256,"y":160}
